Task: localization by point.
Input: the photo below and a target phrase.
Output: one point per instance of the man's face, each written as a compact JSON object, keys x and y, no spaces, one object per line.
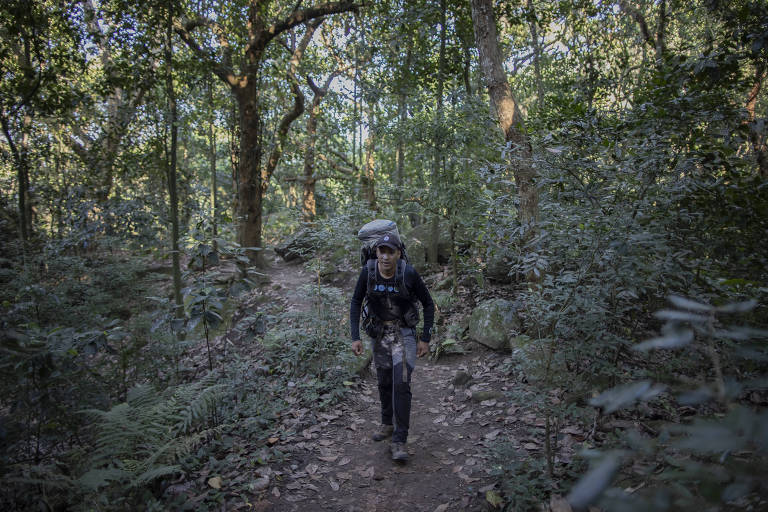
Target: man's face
{"x":387,"y":258}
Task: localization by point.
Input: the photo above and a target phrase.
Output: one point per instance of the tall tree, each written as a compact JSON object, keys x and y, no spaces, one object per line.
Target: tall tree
{"x":36,"y":60}
{"x":507,"y":112}
{"x":255,"y":170}
{"x":171,"y":163}
{"x":98,"y":142}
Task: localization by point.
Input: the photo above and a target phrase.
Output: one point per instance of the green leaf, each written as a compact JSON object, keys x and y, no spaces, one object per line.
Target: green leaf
{"x":738,"y":307}
{"x":592,"y":485}
{"x":673,"y":340}
{"x":493,"y":499}
{"x":680,"y":316}
{"x":683,"y":303}
{"x":625,"y":395}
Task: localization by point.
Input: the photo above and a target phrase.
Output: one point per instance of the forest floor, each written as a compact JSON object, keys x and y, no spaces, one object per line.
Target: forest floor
{"x":334,"y":465}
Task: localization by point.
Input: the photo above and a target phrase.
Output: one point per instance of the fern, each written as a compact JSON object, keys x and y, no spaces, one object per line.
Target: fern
{"x":141,"y":440}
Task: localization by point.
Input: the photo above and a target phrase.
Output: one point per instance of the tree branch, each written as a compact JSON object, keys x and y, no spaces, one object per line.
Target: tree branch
{"x":297,"y":17}
{"x":635,"y":14}
{"x":298,"y":103}
{"x":221,"y":69}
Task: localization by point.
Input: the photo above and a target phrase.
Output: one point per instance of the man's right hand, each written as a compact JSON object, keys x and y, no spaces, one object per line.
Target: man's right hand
{"x":357,"y":347}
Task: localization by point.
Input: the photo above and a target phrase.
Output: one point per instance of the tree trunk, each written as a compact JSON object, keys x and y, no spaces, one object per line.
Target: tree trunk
{"x":171,"y":160}
{"x":402,"y":117}
{"x":212,"y":158}
{"x":508,"y":113}
{"x":308,"y":206}
{"x":20,"y":155}
{"x":253,"y":174}
{"x":757,"y":136}
{"x":532,"y":25}
{"x":369,"y":177}
{"x":234,"y":158}
{"x":434,"y":230}
{"x":249,"y":184}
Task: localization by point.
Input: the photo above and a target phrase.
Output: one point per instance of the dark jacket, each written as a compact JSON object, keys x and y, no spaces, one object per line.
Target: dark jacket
{"x":416,"y":288}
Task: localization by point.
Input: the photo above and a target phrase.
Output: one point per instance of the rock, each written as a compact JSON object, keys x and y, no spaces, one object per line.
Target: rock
{"x":417,"y":241}
{"x":417,"y":255}
{"x":492,"y":322}
{"x":497,"y":266}
{"x":481,"y":396}
{"x":461,"y":378}
{"x":299,"y":247}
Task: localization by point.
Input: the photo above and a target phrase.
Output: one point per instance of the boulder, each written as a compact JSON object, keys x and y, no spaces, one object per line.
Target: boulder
{"x":497,"y":267}
{"x":493,"y":323}
{"x":417,"y":241}
{"x":299,"y":247}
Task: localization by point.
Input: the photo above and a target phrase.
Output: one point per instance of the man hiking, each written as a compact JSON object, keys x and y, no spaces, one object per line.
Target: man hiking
{"x":392,"y":287}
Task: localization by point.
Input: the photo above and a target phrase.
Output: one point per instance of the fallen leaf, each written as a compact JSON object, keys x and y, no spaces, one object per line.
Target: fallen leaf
{"x":367,"y":473}
{"x":334,"y":484}
{"x":293,"y":486}
{"x":344,"y":461}
{"x":329,"y":458}
{"x":487,"y":488}
{"x":275,"y":492}
{"x":313,"y":487}
{"x":494,"y":499}
{"x":259,"y":484}
{"x":439,"y":419}
{"x":442,"y":508}
{"x":492,"y":435}
{"x":531,"y":446}
{"x":215,"y":482}
{"x":272,"y":441}
{"x":344,"y":475}
{"x":559,"y":504}
{"x":488,"y":403}
{"x":311,"y":468}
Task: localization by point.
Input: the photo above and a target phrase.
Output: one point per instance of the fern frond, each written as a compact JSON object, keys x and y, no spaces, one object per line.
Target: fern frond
{"x":95,"y":479}
{"x":153,"y":474}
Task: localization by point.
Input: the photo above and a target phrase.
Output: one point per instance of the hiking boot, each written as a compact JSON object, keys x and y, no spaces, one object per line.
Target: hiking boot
{"x":398,"y":452}
{"x":384,"y":432}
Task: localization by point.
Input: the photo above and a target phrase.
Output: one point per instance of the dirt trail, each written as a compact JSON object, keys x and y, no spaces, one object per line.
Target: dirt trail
{"x":334,"y":465}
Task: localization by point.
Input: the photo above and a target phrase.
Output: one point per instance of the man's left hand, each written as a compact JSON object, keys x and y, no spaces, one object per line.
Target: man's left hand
{"x":423,"y":349}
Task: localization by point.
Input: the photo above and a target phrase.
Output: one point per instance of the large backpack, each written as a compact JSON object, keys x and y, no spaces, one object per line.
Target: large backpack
{"x":370,"y":234}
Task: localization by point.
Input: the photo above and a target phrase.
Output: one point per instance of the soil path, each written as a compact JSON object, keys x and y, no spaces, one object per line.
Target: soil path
{"x":334,"y":465}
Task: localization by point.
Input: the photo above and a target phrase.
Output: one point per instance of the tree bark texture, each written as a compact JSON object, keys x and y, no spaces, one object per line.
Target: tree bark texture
{"x":507,"y":112}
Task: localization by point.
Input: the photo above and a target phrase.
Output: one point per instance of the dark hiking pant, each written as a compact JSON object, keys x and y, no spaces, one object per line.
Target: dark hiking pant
{"x":395,"y":350}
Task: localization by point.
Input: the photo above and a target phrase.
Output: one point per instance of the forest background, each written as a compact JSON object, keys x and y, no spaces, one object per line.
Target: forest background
{"x":154,"y":153}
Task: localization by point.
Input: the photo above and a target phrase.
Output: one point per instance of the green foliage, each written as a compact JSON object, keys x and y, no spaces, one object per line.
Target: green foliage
{"x":524,"y":479}
{"x":706,"y":460}
{"x":313,"y":354}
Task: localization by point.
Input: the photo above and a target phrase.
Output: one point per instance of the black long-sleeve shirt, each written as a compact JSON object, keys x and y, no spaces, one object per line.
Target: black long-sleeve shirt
{"x":416,"y":288}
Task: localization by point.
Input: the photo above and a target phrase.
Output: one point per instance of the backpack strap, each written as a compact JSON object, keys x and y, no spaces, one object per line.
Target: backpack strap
{"x":371,"y":266}
{"x":400,"y":280}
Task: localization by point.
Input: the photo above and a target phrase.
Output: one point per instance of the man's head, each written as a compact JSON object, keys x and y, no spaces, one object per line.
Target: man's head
{"x":388,"y":252}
